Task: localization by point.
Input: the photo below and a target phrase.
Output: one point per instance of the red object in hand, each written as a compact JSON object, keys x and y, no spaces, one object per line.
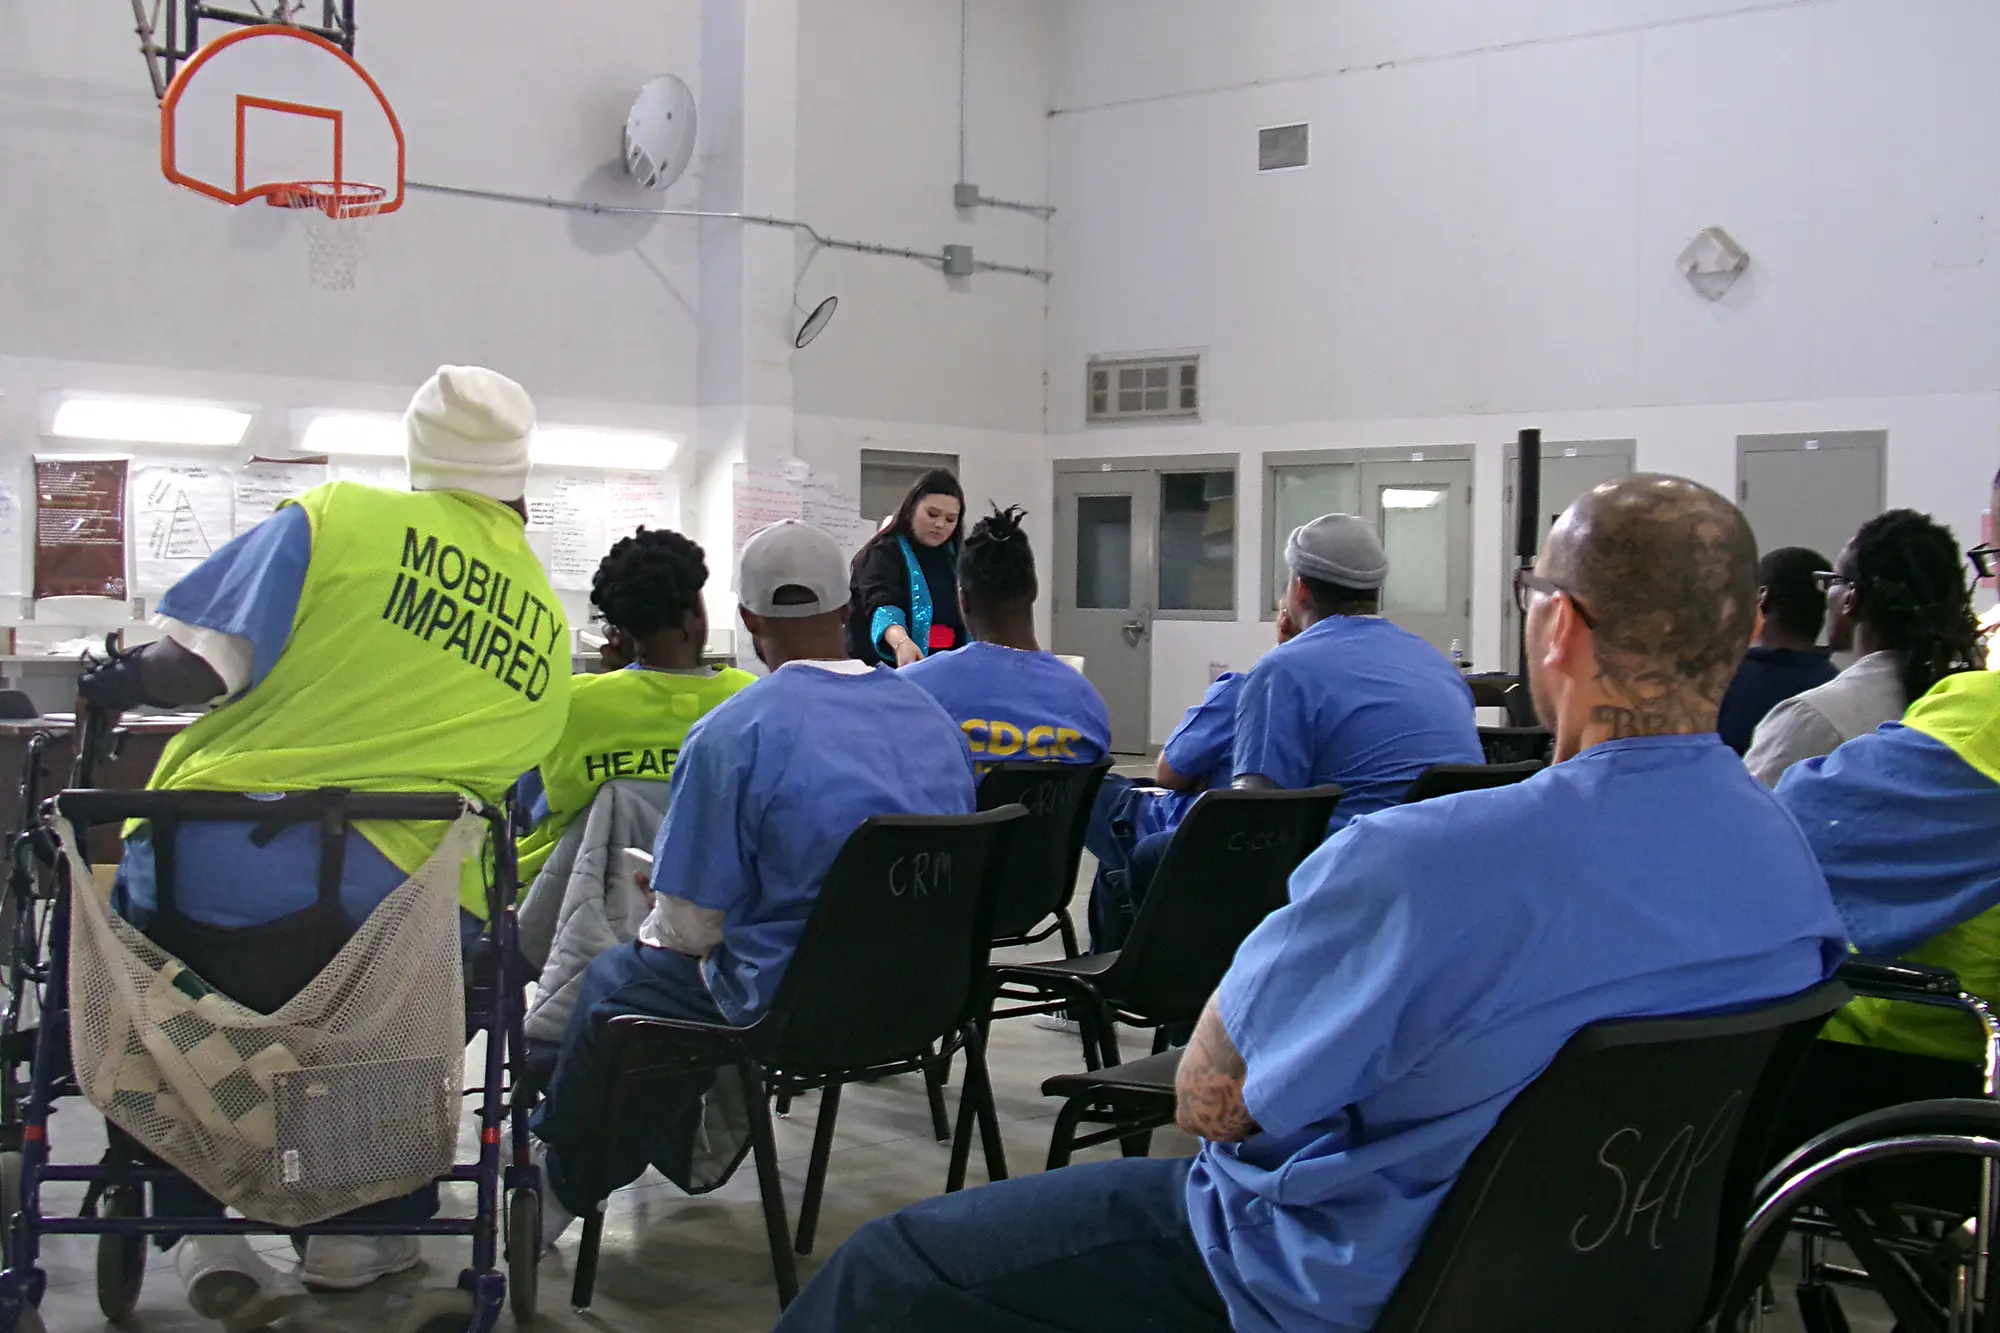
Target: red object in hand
{"x":942,"y":637}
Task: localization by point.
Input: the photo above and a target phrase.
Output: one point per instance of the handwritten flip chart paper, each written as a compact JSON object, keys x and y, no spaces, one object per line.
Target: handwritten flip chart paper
{"x":11,"y":583}
{"x":183,"y":515}
{"x":764,"y":496}
{"x":634,"y":500}
{"x":265,"y":483}
{"x":567,"y":529}
{"x":80,"y":527}
{"x":837,"y":513}
{"x":390,"y":476}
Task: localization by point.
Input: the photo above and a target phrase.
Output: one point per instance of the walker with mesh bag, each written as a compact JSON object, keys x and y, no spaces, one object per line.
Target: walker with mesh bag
{"x":345,"y":1095}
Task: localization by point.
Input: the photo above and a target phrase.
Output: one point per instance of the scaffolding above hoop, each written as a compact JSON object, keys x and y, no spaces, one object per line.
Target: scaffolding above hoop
{"x":170,"y":31}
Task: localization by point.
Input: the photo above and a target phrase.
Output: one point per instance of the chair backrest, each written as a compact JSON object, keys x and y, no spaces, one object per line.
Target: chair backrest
{"x":1228,"y":867}
{"x":16,"y":706}
{"x":1507,"y":745}
{"x":894,"y":954}
{"x":1612,"y":1191}
{"x":1450,"y":779}
{"x":1039,"y":873}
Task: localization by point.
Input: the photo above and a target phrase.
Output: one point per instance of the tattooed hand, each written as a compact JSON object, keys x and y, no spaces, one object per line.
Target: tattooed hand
{"x":1208,"y":1092}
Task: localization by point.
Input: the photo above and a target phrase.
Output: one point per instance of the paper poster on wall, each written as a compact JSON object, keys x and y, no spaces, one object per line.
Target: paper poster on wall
{"x":635,"y":500}
{"x":566,"y":528}
{"x":763,"y":496}
{"x":836,"y":512}
{"x":183,"y":514}
{"x":390,"y":476}
{"x":11,"y":583}
{"x":266,"y":483}
{"x":80,"y":527}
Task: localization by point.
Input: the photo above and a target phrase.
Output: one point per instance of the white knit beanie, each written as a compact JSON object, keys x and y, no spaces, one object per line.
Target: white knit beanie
{"x":468,"y":430}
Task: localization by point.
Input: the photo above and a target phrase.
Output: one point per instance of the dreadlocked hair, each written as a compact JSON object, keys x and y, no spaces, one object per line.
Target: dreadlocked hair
{"x":649,"y":581}
{"x":1909,"y":581}
{"x":996,"y":568}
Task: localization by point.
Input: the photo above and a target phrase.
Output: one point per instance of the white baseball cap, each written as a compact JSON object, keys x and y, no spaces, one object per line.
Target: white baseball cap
{"x":791,"y":554}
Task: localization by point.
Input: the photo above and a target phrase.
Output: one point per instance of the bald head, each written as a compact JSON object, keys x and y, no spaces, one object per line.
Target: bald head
{"x":1666,"y":569}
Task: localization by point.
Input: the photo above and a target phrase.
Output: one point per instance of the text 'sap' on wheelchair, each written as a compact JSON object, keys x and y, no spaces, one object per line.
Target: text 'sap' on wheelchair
{"x":1909,"y":1186}
{"x":292,"y":1124}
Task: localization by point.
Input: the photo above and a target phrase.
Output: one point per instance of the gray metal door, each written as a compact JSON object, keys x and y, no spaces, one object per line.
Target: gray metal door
{"x":1103,"y":587}
{"x":1569,"y":468}
{"x":1424,"y":513}
{"x":1810,"y":490}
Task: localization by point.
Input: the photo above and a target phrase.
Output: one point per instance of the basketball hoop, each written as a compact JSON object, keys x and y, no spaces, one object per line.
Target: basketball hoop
{"x":335,"y":239}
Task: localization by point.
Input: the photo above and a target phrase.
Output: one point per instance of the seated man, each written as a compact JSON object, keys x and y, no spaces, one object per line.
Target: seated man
{"x":630,"y":723}
{"x":1904,"y":823}
{"x":370,"y":639}
{"x":1198,"y":755}
{"x":767,"y":789}
{"x":1012,"y":700}
{"x":1432,"y":961}
{"x":1785,"y":659}
{"x":1352,"y":699}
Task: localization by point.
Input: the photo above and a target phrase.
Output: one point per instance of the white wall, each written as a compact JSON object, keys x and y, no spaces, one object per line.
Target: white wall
{"x":1486,"y":237}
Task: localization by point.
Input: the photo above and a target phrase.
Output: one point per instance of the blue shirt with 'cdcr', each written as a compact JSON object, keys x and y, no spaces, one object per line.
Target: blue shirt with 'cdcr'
{"x":1357,"y":701}
{"x":250,"y":588}
{"x":766,"y":791}
{"x":1433,"y":960}
{"x":1014,"y":705}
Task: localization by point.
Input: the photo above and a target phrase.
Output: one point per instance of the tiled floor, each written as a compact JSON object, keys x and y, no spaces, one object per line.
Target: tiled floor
{"x":695,"y":1265}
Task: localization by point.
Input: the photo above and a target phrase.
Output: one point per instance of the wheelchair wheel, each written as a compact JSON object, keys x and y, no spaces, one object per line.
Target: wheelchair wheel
{"x":524,"y":1252}
{"x":446,"y":1311}
{"x":121,"y":1260}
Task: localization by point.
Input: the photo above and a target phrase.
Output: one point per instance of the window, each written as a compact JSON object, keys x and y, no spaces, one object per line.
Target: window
{"x":1298,"y":496}
{"x":1284,"y":147}
{"x":1197,"y":541}
{"x":1138,"y":390}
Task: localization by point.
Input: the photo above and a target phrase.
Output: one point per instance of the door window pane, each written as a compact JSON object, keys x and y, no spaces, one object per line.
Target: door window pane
{"x":1197,"y":541}
{"x":1104,"y":552}
{"x":1302,"y":494}
{"x":1416,"y":534}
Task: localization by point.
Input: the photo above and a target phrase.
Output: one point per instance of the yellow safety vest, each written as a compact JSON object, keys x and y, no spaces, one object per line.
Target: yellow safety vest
{"x":625,"y":724}
{"x":1963,"y":714}
{"x":428,"y":655}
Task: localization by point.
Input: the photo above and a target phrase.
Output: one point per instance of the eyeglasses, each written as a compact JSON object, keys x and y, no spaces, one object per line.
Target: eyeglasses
{"x":1985,"y":559}
{"x":1826,"y":580}
{"x":1527,"y":583}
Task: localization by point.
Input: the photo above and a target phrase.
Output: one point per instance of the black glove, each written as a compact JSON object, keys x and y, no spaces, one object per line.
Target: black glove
{"x":118,"y":683}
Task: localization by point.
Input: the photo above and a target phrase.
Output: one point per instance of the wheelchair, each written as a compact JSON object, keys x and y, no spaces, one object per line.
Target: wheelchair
{"x":1909,"y":1189}
{"x":505,"y":1229}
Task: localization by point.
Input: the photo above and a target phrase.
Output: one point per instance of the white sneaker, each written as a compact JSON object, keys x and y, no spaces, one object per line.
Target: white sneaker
{"x":226,"y":1281}
{"x":556,"y":1219}
{"x":1059,"y":1023}
{"x":343,"y":1263}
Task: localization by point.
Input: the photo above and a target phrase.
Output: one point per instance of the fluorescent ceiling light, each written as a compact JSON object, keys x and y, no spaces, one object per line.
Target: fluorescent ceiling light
{"x":1394,"y":497}
{"x":149,"y":421}
{"x":586,"y":447}
{"x":373,"y":434}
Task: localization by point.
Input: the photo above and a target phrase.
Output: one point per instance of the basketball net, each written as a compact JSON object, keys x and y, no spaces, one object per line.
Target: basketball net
{"x":335,"y":236}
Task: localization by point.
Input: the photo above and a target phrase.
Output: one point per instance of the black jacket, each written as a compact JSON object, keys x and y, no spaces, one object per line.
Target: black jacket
{"x":882,"y":578}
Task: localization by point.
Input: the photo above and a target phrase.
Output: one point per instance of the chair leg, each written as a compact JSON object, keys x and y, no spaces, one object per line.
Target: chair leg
{"x":585,"y":1284}
{"x":936,"y":1075}
{"x":1067,"y":928}
{"x":1062,"y":1140}
{"x":987,"y":1110}
{"x":829,"y":1108}
{"x":764,"y":1147}
{"x":1098,"y":1024}
{"x":1159,"y":1039}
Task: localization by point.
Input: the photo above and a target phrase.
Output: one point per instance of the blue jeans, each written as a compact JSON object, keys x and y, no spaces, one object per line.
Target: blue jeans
{"x":1103,"y":1248}
{"x":596,"y":1147}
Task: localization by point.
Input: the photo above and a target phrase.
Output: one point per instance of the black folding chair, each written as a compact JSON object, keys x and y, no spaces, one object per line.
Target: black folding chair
{"x":1228,"y":867}
{"x":1512,"y":745}
{"x":889,"y":973}
{"x":1451,"y":779}
{"x":1039,"y":876}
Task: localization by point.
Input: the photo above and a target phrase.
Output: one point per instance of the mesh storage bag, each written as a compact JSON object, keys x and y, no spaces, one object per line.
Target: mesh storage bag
{"x":347,"y":1095}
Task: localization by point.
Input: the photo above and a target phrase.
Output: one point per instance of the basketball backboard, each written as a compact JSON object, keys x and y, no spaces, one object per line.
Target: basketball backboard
{"x":279,"y":113}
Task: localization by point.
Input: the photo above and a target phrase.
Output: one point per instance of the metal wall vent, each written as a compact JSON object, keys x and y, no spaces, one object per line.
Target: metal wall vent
{"x":1284,"y":147}
{"x":1129,"y":389}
